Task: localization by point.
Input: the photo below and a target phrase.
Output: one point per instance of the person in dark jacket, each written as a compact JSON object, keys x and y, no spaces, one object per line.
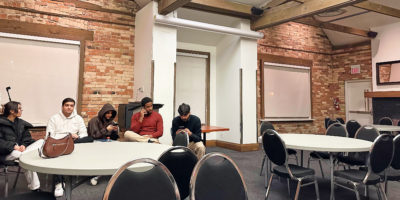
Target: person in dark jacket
{"x":15,"y":139}
{"x":190,"y":124}
{"x":103,"y":126}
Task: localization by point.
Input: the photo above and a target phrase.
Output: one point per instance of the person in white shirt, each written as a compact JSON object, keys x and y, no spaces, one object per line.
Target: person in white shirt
{"x":63,"y":123}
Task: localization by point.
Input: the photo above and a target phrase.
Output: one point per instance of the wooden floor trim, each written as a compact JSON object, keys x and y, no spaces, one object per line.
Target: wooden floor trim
{"x":233,"y":146}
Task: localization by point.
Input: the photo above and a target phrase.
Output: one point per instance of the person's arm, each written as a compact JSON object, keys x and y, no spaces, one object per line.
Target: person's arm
{"x":174,"y":128}
{"x":135,"y":124}
{"x":95,"y":129}
{"x":51,"y":128}
{"x":27,"y":138}
{"x":160,"y":127}
{"x":196,"y":131}
{"x":82,"y":127}
{"x":6,"y":147}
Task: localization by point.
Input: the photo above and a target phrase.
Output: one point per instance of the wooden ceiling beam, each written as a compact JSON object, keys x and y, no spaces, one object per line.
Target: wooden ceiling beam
{"x":221,"y":7}
{"x":310,"y":7}
{"x":374,"y":7}
{"x":335,"y":27}
{"x":167,"y":6}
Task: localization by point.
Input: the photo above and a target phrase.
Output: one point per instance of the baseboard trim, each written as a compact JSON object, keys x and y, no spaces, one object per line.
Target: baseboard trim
{"x":233,"y":146}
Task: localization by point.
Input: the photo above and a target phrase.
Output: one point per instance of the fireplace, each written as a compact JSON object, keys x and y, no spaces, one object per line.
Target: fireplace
{"x":386,"y":107}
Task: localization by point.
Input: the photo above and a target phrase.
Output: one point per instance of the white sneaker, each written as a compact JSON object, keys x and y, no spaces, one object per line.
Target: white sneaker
{"x":93,"y":181}
{"x":58,"y":191}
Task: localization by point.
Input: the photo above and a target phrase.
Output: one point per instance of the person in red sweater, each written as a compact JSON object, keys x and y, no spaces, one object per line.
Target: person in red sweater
{"x":146,"y":125}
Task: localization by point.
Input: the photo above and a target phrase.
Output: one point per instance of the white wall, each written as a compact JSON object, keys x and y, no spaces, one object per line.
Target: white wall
{"x":385,"y":47}
{"x":213,"y":86}
{"x":144,"y":24}
{"x":228,"y":94}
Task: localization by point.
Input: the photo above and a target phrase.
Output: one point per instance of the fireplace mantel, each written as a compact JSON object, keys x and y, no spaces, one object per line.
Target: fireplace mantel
{"x":382,"y":94}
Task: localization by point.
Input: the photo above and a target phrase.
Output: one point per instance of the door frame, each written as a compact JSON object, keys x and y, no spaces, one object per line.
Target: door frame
{"x":346,"y":86}
{"x":207,"y":80}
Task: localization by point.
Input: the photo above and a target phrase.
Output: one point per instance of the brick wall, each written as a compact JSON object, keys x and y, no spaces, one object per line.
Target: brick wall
{"x":108,"y":62}
{"x":329,"y":71}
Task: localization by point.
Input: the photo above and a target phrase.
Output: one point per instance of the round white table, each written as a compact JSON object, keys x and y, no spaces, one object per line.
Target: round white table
{"x":386,"y":127}
{"x":91,"y":159}
{"x":325,"y":143}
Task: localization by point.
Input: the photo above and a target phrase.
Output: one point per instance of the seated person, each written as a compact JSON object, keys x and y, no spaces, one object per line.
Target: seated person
{"x":63,"y":123}
{"x":192,"y":126}
{"x":16,"y":140}
{"x":102,"y":127}
{"x":146,"y":125}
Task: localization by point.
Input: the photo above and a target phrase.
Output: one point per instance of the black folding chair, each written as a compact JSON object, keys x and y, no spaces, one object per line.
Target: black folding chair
{"x":335,"y":129}
{"x":181,"y":139}
{"x":379,"y":159}
{"x":154,"y":183}
{"x":393,"y":172}
{"x":180,"y":161}
{"x":32,"y":196}
{"x":216,"y":177}
{"x":385,"y":121}
{"x":276,"y":152}
{"x":352,"y":126}
{"x":6,"y":164}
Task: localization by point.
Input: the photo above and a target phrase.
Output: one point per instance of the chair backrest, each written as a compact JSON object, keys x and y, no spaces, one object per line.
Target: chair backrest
{"x":217,"y":177}
{"x":180,"y":161}
{"x":385,"y":121}
{"x":396,"y":156}
{"x":181,"y":139}
{"x":266,"y":125}
{"x":274,"y":147}
{"x":328,"y":122}
{"x":381,"y":154}
{"x":337,"y":129}
{"x":367,"y":132}
{"x":340,"y":120}
{"x":128,"y":183}
{"x":352,"y":126}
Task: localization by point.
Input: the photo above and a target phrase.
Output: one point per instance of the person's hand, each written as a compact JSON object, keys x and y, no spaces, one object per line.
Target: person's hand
{"x":180,"y":131}
{"x":16,"y":147}
{"x":22,"y":148}
{"x":110,"y":128}
{"x":188,"y":131}
{"x":115,"y":128}
{"x":74,"y":136}
{"x":147,"y":136}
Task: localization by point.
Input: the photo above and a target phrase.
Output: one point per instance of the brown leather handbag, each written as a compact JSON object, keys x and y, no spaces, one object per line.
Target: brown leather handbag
{"x":57,"y":147}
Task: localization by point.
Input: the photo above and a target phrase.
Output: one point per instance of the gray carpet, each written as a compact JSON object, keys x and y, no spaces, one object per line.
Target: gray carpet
{"x":249,"y":163}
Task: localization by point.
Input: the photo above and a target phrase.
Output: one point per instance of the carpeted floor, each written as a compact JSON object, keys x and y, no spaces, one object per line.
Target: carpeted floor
{"x":249,"y":164}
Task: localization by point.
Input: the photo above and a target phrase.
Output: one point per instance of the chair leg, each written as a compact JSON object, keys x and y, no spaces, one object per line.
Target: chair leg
{"x":378,"y":191}
{"x":308,"y":163}
{"x":269,"y":186}
{"x":288,"y":186}
{"x":262,"y":164}
{"x":297,"y":190}
{"x":16,"y":178}
{"x":356,"y":191}
{"x":5,"y":181}
{"x":316,"y":187}
{"x":382,"y":191}
{"x":386,"y":186}
{"x":297,"y":159}
{"x":322,"y":171}
{"x":366,"y":192}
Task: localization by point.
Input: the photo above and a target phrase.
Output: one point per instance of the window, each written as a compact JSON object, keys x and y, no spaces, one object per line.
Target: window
{"x":40,"y":73}
{"x":287,"y":92}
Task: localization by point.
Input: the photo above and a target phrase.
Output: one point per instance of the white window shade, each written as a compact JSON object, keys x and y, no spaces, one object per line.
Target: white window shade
{"x":40,"y":74}
{"x":286,"y":92}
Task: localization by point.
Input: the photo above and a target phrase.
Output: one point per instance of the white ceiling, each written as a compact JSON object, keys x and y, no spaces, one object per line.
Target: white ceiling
{"x":353,"y":17}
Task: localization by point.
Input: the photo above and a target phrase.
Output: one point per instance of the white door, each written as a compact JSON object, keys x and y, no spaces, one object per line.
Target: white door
{"x":357,"y":106}
{"x":190,"y":83}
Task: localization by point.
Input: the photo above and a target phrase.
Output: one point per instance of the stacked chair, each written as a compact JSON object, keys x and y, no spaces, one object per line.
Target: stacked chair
{"x":335,"y":129}
{"x":265,"y":125}
{"x":155,"y":183}
{"x":366,"y":132}
{"x":378,"y":160}
{"x":393,"y":172}
{"x":352,"y":126}
{"x":180,"y":161}
{"x":216,"y":177}
{"x":276,"y":151}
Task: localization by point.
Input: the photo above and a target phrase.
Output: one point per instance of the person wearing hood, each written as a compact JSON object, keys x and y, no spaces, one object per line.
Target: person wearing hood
{"x":15,"y":139}
{"x":63,"y":123}
{"x":103,"y":126}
